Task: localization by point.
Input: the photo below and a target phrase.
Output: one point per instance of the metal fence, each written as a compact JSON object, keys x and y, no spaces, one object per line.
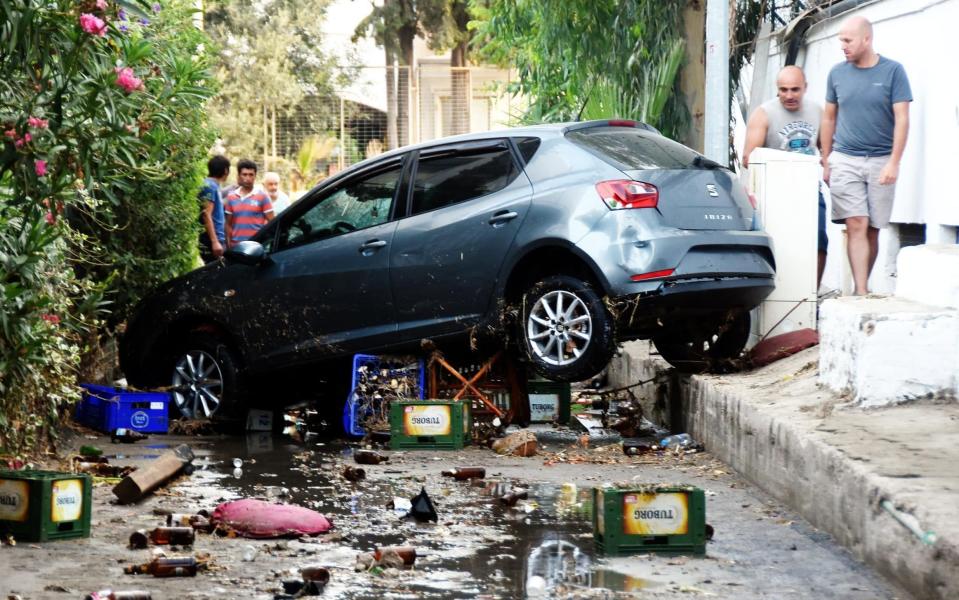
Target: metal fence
{"x":382,"y":108}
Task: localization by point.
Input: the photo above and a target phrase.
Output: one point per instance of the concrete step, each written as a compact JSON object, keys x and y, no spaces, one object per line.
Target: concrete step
{"x":887,"y":350}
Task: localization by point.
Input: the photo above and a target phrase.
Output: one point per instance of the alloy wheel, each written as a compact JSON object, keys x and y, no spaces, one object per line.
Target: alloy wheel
{"x":197,"y":385}
{"x":559,"y":328}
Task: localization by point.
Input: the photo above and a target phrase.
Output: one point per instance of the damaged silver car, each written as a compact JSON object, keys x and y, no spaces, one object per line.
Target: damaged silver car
{"x":557,"y":241}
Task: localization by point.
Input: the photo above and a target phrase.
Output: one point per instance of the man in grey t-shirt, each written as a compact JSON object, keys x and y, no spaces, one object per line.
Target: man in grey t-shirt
{"x":791,"y":123}
{"x":863,"y":134}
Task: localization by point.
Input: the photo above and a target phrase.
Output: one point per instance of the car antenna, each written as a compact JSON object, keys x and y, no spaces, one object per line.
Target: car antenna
{"x":585,"y":102}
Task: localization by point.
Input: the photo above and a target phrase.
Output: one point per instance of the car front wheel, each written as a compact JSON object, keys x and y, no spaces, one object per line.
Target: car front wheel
{"x":203,"y":379}
{"x":566,"y":331}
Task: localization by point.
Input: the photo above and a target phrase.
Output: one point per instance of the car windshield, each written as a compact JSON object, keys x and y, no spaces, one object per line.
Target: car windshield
{"x":629,"y":148}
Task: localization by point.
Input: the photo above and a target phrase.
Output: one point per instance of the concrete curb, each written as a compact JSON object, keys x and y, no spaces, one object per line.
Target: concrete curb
{"x":781,"y":431}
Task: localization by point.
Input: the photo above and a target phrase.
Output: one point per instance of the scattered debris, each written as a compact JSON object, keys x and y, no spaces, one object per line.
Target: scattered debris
{"x":519,"y":443}
{"x":143,"y":481}
{"x":422,"y":507}
{"x":110,"y":595}
{"x":513,"y":497}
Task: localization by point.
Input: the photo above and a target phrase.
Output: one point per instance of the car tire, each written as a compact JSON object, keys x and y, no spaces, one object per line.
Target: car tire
{"x":203,"y":380}
{"x":713,"y":343}
{"x":577,"y":345}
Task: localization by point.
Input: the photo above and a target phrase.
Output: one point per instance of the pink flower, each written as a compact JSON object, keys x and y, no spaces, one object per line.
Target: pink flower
{"x":52,"y":319}
{"x":11,"y":134}
{"x":50,"y":218}
{"x":127,"y":80}
{"x":40,"y":166}
{"x":24,"y":140}
{"x":102,"y":4}
{"x":37,"y":122}
{"x":93,"y":25}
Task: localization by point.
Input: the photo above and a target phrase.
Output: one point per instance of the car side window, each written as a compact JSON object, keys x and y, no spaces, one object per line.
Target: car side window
{"x":356,"y":204}
{"x":456,"y":177}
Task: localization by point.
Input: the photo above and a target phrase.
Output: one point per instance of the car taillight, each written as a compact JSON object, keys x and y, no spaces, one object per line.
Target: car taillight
{"x":625,"y":193}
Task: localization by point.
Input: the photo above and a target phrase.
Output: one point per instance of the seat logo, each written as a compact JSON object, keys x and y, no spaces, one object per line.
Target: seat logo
{"x":711,"y":190}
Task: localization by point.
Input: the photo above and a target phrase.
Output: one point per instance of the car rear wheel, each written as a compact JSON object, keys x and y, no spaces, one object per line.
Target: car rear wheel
{"x":203,"y":379}
{"x":566,"y":331}
{"x":712,"y":343}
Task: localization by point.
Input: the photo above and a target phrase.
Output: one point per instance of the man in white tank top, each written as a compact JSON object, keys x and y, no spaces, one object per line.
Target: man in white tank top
{"x":789,"y":123}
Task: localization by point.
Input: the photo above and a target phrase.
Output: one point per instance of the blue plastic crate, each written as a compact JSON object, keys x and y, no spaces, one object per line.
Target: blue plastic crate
{"x":108,"y":409}
{"x":351,"y":420}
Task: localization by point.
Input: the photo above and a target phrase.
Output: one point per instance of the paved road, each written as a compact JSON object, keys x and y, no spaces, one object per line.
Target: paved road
{"x":477,"y":550}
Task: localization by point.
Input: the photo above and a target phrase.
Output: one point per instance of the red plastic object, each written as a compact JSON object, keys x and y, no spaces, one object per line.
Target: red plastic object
{"x":258,"y":519}
{"x":780,"y":346}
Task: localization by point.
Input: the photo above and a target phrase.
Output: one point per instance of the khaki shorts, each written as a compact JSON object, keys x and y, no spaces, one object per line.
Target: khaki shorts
{"x":854,"y":186}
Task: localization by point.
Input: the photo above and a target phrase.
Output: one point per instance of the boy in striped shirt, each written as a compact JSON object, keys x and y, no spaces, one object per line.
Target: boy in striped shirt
{"x":247,"y":209}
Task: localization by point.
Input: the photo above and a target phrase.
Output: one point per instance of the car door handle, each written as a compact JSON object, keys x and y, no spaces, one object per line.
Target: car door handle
{"x":502,"y":217}
{"x":372,"y":245}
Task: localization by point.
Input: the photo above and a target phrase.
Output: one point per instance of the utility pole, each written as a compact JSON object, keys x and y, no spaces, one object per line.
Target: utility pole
{"x":716,"y":130}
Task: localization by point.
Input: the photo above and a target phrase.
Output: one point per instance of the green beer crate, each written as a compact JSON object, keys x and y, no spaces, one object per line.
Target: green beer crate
{"x":639,"y":519}
{"x":429,"y":425}
{"x":39,"y":506}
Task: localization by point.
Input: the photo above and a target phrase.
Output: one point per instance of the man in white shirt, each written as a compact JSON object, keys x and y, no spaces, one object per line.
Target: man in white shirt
{"x":271,"y":182}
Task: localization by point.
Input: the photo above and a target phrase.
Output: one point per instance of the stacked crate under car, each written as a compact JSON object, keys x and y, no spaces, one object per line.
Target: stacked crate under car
{"x":377,"y":382}
{"x":503,"y":384}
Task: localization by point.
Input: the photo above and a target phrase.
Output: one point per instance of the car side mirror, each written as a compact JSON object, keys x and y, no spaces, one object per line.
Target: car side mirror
{"x":246,"y":253}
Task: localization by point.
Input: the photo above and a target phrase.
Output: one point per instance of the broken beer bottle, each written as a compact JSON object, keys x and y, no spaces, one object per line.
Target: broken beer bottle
{"x":185,"y":566}
{"x":353,"y":473}
{"x":513,"y":497}
{"x":463,"y":473}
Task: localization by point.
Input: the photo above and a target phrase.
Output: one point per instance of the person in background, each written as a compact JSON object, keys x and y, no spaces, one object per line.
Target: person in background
{"x":213,"y":236}
{"x":863,"y":135}
{"x":247,"y":209}
{"x":271,"y":183}
{"x":790,"y":123}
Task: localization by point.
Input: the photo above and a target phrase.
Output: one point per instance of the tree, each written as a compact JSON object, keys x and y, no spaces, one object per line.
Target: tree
{"x":270,"y":63}
{"x":573,"y":53}
{"x":102,"y":116}
{"x":446,"y":24}
{"x":393,"y":26}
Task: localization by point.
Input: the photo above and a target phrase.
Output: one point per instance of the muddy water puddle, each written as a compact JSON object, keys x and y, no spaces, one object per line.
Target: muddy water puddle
{"x":479,"y":549}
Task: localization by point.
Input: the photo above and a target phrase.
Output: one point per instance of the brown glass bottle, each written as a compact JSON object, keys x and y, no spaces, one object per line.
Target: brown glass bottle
{"x":185,"y":566}
{"x":201,"y":523}
{"x":368,"y":457}
{"x":126,"y":436}
{"x":353,"y":473}
{"x":513,"y":497}
{"x":179,"y":536}
{"x":111,"y":595}
{"x":139,"y":539}
{"x":178,"y":520}
{"x":406,"y":553}
{"x":463,"y":473}
{"x":320,"y":575}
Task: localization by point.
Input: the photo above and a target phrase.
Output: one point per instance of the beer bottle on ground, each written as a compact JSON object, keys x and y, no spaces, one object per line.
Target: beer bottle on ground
{"x":179,"y":536}
{"x":462,"y":473}
{"x":185,"y":566}
{"x":126,"y":436}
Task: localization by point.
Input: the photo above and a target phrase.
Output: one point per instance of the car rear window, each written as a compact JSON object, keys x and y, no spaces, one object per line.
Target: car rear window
{"x":630,"y":148}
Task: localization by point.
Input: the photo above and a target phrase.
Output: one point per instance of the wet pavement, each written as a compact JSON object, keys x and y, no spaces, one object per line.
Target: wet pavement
{"x":542,"y":548}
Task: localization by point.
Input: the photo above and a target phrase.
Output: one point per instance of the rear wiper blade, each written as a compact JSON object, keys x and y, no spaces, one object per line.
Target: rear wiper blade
{"x":705,"y":163}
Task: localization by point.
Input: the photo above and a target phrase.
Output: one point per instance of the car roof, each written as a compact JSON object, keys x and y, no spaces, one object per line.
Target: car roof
{"x":542,"y":131}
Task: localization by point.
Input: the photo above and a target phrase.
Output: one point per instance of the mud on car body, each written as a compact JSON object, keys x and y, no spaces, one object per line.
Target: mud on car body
{"x":563,"y":239}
